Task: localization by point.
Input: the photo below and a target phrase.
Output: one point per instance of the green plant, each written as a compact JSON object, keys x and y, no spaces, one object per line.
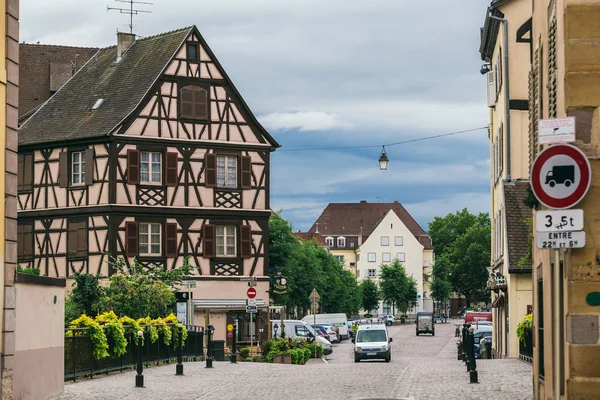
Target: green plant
{"x":175,"y":325}
{"x":152,"y":330}
{"x":131,"y":328}
{"x":245,"y":352}
{"x":524,"y":326}
{"x":94,"y":331}
{"x":114,"y":332}
{"x":87,"y":292}
{"x":527,"y":260}
{"x":164,"y":328}
{"x":73,"y":310}
{"x":27,"y":270}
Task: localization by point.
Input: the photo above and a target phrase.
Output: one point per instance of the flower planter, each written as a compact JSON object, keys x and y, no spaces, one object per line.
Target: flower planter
{"x":282,"y":359}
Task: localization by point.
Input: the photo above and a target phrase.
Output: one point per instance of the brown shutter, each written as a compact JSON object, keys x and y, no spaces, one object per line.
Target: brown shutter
{"x":82,"y":247}
{"x":171,"y":240}
{"x":72,"y":238}
{"x":246,"y":241}
{"x":208,"y":233}
{"x":171,"y":169}
{"x":89,"y":166}
{"x":28,"y":240}
{"x":246,"y":172}
{"x":200,"y":103}
{"x":63,"y":168}
{"x":20,"y":172}
{"x":133,"y":167}
{"x":186,"y":102}
{"x":131,"y":239}
{"x":28,"y":171}
{"x":210,"y":170}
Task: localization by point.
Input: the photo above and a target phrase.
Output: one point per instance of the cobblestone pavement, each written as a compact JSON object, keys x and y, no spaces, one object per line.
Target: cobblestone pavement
{"x":422,"y":368}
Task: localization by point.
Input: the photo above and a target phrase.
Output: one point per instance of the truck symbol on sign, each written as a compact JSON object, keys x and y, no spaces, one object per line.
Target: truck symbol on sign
{"x":564,"y":174}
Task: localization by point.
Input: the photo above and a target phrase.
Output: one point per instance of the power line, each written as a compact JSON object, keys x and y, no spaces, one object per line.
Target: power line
{"x":389,"y":144}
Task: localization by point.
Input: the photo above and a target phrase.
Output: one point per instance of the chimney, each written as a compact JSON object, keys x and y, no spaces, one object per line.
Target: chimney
{"x":363,"y":201}
{"x":124,"y":41}
{"x":317,"y":231}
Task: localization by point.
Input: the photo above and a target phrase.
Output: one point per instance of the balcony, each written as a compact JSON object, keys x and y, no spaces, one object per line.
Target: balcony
{"x":496,"y":283}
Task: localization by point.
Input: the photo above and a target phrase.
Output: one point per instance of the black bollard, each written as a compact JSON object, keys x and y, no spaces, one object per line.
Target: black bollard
{"x":139,"y":378}
{"x":234,"y":346}
{"x":488,"y":349}
{"x":179,"y":366}
{"x":473,"y":364}
{"x":209,"y":360}
{"x":459,"y":349}
{"x":464,"y":342}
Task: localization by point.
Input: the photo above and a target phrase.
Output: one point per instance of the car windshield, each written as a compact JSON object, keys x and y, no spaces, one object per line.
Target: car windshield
{"x":371,"y":336}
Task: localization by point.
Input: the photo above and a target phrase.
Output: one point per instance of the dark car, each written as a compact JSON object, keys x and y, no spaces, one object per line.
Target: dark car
{"x":425,"y":323}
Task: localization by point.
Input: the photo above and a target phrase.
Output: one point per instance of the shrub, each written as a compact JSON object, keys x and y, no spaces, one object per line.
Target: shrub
{"x":114,"y":331}
{"x":28,"y":271}
{"x":524,"y":326}
{"x":95,"y":332}
{"x":245,"y":352}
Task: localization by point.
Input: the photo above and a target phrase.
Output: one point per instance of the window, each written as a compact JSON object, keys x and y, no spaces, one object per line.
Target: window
{"x":25,"y":172}
{"x":358,"y":257}
{"x":149,"y":239}
{"x":340,"y":259}
{"x":193,"y":102}
{"x":401,"y":257}
{"x":329,"y":241}
{"x":226,"y":242}
{"x":386,"y":257}
{"x":78,"y":168}
{"x":77,"y":243}
{"x":150,"y":167}
{"x":192,"y":53}
{"x":371,"y":257}
{"x":227,"y":172}
{"x":371,"y":273}
{"x":25,"y":241}
{"x":352,"y":265}
{"x":341,"y":242}
{"x":385,"y":240}
{"x":399,"y":241}
{"x":351,"y":245}
{"x":302,"y":331}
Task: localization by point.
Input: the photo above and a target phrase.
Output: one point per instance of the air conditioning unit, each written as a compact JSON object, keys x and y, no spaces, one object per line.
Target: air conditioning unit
{"x":491,"y":89}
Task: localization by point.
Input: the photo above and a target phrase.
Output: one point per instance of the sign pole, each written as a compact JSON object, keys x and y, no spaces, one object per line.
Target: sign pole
{"x":251,"y":333}
{"x":557,"y":324}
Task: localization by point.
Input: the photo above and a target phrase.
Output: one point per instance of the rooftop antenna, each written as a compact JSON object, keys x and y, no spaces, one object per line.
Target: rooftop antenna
{"x":131,"y":11}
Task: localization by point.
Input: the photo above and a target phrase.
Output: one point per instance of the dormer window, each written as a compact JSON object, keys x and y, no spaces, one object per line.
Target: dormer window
{"x":193,"y":102}
{"x":192,"y":53}
{"x":329,"y":241}
{"x":341,"y":242}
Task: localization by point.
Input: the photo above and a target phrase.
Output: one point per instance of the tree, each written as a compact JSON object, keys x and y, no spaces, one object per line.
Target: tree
{"x":397,"y":288}
{"x":441,"y":288}
{"x":369,"y":294}
{"x":462,"y":243}
{"x":85,"y":294}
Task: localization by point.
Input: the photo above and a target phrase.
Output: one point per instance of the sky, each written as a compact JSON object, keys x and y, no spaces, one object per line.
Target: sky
{"x":330,"y":74}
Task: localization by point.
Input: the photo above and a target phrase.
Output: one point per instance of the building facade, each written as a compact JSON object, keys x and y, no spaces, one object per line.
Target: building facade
{"x":149,"y":154}
{"x":510,"y":273}
{"x":565,"y":72}
{"x":366,"y":235}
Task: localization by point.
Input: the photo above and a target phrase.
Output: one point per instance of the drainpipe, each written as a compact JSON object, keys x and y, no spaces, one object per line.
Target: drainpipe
{"x":506,"y":91}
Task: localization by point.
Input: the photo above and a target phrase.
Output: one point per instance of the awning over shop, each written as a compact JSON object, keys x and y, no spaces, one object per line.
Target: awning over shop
{"x":228,"y":304}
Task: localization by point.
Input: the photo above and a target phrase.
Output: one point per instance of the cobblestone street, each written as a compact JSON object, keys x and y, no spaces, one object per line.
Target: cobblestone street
{"x":422,"y":368}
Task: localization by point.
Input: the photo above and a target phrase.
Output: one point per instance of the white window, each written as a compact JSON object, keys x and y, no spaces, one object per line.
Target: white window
{"x":358,"y":257}
{"x":341,"y":242}
{"x":371,"y":257}
{"x":386,"y":257}
{"x":150,"y":239}
{"x":226,"y":242}
{"x":351,"y":245}
{"x":340,"y":259}
{"x":385,"y":240}
{"x":78,"y":168}
{"x":150,"y":167}
{"x":227,"y":172}
{"x":399,"y":241}
{"x":401,"y":257}
{"x":329,"y":241}
{"x":371,"y":273}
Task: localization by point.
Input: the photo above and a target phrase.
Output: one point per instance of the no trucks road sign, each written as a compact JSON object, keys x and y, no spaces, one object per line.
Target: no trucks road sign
{"x":560,"y":176}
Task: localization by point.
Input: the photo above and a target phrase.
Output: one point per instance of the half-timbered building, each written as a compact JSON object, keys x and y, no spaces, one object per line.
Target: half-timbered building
{"x":150,"y":153}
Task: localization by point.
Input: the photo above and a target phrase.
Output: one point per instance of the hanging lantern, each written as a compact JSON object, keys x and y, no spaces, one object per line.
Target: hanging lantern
{"x":383,"y":160}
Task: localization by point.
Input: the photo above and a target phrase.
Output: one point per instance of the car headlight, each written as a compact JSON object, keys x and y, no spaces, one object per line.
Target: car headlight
{"x":358,"y":348}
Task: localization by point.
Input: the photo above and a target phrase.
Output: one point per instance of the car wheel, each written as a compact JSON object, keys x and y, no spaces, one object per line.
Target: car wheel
{"x":433,"y":333}
{"x":417,"y":333}
{"x":388,"y":358}
{"x":356,"y":358}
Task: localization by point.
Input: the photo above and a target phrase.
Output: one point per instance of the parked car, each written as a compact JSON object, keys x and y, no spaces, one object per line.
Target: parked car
{"x":372,"y":342}
{"x":301,"y":330}
{"x":331,"y":334}
{"x":388,"y":320}
{"x":425,"y":323}
{"x":339,"y":320}
{"x":478,"y":336}
{"x":472,"y":316}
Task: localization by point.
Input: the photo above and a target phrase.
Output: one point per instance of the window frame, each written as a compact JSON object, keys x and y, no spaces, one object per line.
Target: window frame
{"x":387,"y":240}
{"x":341,"y":242}
{"x":329,"y":241}
{"x":22,"y":185}
{"x":389,"y":258}
{"x":340,"y":258}
{"x":236,"y":238}
{"x":396,"y":240}
{"x":401,"y":259}
{"x":369,"y":275}
{"x":149,"y":242}
{"x":193,"y":116}
{"x":196,"y":46}
{"x":237,"y":171}
{"x":150,"y":164}
{"x":82,"y":162}
{"x":374,"y":258}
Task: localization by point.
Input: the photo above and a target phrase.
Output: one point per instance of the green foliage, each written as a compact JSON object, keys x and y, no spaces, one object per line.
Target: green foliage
{"x":29,"y":271}
{"x":462,"y":242}
{"x":245,"y":352}
{"x":525,"y":326}
{"x":531,"y":201}
{"x":369,"y":294}
{"x":396,"y":287}
{"x":72,"y":310}
{"x":175,"y":327}
{"x":114,"y":331}
{"x":528,"y":259}
{"x":441,"y":288}
{"x":131,"y":327}
{"x":94,"y":331}
{"x":300,"y":350}
{"x":87,"y":292}
{"x":151,"y":329}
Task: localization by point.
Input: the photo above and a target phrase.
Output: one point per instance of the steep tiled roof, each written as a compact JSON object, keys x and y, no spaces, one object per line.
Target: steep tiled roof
{"x":518,"y":227}
{"x":43,"y":69}
{"x":348,"y":218}
{"x":308,"y":236}
{"x":68,"y":114}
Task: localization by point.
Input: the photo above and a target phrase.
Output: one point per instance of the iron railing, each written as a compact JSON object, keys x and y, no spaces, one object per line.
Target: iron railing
{"x":526,"y":346}
{"x":80,"y":362}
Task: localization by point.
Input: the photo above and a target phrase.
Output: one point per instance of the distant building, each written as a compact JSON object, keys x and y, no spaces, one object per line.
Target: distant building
{"x":311,"y":237}
{"x":366,"y":235}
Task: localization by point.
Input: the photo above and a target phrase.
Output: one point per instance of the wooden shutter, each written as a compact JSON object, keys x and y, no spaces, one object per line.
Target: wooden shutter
{"x":200,"y":103}
{"x":71,"y":239}
{"x":208,"y":236}
{"x":133,"y":167}
{"x":89,"y":166}
{"x":82,"y":242}
{"x":28,"y":171}
{"x":171,"y":169}
{"x":20,"y":172}
{"x":186,"y":102}
{"x":171,"y":240}
{"x":131,"y":239}
{"x":210,"y":170}
{"x":63,"y":170}
{"x":246,"y":172}
{"x":246,"y":241}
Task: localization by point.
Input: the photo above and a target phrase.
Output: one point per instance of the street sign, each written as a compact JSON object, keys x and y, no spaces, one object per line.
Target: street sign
{"x":556,"y":130}
{"x":251,"y":292}
{"x":560,"y":240}
{"x":251,"y":302}
{"x":560,"y":176}
{"x":314,"y":296}
{"x":182,"y":312}
{"x":559,"y":220}
{"x":229,"y":327}
{"x":250,"y":309}
{"x":229,"y":335}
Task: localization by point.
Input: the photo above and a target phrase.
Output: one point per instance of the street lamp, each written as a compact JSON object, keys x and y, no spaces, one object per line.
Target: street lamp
{"x":275,"y":329}
{"x":383,"y":160}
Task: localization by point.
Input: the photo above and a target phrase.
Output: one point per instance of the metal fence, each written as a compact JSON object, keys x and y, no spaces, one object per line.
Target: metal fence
{"x":80,"y":362}
{"x":526,"y":346}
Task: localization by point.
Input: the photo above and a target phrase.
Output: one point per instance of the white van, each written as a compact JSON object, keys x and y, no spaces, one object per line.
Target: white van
{"x":300,"y":330}
{"x":339,"y":320}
